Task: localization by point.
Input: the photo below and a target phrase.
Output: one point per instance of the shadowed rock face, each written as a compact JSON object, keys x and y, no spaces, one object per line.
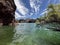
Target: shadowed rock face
{"x":7,"y":11}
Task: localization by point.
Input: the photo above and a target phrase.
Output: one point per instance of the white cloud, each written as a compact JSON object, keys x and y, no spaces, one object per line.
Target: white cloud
{"x":20,"y":6}
{"x":31,"y":14}
{"x":44,"y":12}
{"x":35,"y":4}
{"x":35,"y":7}
{"x":18,"y":16}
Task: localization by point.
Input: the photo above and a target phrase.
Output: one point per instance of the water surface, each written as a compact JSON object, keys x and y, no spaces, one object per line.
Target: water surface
{"x":29,"y":34}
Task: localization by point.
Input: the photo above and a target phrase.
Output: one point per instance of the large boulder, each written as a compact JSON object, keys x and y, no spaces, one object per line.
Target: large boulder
{"x":7,"y":11}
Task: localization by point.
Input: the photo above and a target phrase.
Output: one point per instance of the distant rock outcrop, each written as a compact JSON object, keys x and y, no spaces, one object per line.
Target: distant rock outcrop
{"x":7,"y":11}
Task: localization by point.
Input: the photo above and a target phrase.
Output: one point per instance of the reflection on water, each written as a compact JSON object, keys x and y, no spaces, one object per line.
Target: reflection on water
{"x":28,"y":34}
{"x":6,"y":35}
{"x":23,"y":30}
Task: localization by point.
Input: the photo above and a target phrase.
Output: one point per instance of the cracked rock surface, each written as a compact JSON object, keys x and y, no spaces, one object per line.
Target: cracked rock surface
{"x":7,"y":11}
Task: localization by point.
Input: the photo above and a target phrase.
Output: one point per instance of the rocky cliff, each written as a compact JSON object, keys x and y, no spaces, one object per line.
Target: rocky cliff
{"x":7,"y":11}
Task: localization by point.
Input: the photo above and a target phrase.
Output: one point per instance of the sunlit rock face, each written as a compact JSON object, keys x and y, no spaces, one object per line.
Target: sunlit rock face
{"x":7,"y":11}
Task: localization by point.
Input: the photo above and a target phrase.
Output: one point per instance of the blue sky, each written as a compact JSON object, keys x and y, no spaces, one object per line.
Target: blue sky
{"x":32,"y":8}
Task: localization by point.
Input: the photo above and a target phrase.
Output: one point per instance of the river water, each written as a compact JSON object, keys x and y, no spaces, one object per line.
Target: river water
{"x":29,"y":34}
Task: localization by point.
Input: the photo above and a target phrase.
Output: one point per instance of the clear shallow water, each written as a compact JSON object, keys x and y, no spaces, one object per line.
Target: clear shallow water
{"x":28,"y":34}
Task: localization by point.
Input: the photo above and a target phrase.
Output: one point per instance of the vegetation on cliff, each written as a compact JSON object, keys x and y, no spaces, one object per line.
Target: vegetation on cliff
{"x":52,"y":15}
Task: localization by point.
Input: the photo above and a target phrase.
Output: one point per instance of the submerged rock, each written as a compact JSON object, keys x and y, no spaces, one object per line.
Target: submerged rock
{"x":7,"y":11}
{"x":54,"y":28}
